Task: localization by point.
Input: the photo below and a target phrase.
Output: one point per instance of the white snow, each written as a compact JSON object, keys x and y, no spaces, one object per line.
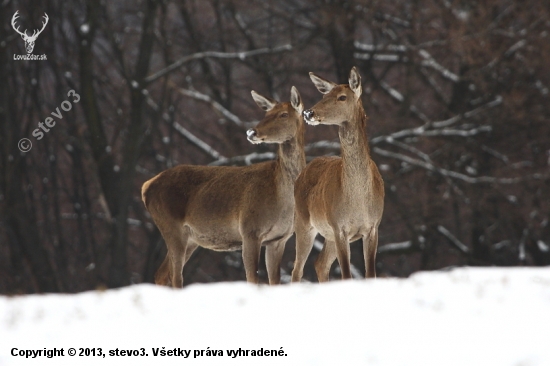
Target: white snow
{"x":468,"y":316}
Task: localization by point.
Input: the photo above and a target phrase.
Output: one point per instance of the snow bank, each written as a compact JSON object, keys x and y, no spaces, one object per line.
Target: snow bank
{"x":469,"y":316}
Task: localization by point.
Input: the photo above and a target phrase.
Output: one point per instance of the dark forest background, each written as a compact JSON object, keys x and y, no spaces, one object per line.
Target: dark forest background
{"x":457,"y":94}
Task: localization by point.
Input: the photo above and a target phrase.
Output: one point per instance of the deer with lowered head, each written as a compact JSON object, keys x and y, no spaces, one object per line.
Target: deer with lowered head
{"x":233,"y":208}
{"x":342,"y":198}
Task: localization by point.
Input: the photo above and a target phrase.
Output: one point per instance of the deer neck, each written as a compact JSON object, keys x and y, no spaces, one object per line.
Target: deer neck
{"x":291,"y":158}
{"x":355,"y":148}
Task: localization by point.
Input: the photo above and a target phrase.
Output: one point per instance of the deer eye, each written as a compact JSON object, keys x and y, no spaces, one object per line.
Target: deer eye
{"x":342,"y":98}
{"x":284,"y":115}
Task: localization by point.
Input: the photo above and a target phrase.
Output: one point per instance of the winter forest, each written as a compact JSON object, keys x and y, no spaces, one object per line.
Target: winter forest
{"x":457,"y":93}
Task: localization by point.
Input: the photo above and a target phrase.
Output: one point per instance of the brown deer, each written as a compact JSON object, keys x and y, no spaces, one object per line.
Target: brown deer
{"x":340,"y":198}
{"x":232,"y":208}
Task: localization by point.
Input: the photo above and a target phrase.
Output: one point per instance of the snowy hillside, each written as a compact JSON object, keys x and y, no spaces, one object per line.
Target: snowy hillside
{"x":468,"y":316}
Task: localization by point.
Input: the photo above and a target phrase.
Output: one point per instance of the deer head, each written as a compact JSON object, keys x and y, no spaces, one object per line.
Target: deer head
{"x":29,"y":40}
{"x":281,"y":122}
{"x":339,"y":103}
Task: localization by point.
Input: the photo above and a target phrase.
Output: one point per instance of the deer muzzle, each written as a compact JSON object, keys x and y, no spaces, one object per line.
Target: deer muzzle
{"x":252,"y":136}
{"x":310,"y":118}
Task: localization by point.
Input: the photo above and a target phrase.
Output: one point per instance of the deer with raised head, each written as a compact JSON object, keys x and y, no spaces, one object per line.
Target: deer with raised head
{"x":342,"y":198}
{"x":29,"y":40}
{"x":232,"y":208}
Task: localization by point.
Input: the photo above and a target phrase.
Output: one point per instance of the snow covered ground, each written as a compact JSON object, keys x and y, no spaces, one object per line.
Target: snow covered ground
{"x":468,"y":316}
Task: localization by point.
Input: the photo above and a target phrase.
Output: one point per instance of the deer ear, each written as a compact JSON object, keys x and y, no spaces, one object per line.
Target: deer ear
{"x":264,"y":103}
{"x":296,"y":100}
{"x":355,"y":82}
{"x":324,"y":86}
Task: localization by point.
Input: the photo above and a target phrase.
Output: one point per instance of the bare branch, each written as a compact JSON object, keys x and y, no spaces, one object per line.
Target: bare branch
{"x":462,"y":133}
{"x":438,"y":91}
{"x":429,"y":61}
{"x":422,"y":155}
{"x":373,"y":48}
{"x":395,"y":247}
{"x":516,"y":46}
{"x":392,"y":92}
{"x":186,"y":133}
{"x":215,"y":54}
{"x":422,"y":130}
{"x":196,"y":141}
{"x":246,"y":159}
{"x":457,"y":243}
{"x":399,"y":97}
{"x":380,"y":57}
{"x":453,"y":174}
{"x":217,"y":106}
{"x":495,"y":153}
{"x":497,"y":101}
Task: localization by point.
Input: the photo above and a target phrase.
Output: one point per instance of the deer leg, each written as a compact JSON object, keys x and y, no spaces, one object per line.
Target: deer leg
{"x":191,"y":247}
{"x":164,"y":271}
{"x":273,"y":257}
{"x":305,"y":234}
{"x":343,"y":254}
{"x":177,"y":258}
{"x":251,"y":258}
{"x":370,"y":245}
{"x":162,"y":276}
{"x":324,"y":260}
{"x":175,"y":237}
